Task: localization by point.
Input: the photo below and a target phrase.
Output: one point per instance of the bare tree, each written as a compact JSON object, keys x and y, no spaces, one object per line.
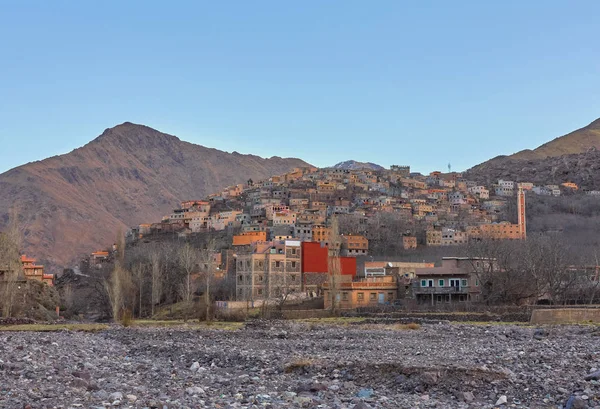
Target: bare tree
{"x":334,"y":265}
{"x":208,"y":269}
{"x":10,"y":263}
{"x":188,"y":260}
{"x":118,"y":289}
{"x":138,"y":274}
{"x":156,"y":272}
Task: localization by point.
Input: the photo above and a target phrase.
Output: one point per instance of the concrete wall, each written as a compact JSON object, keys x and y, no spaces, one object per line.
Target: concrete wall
{"x":565,"y":315}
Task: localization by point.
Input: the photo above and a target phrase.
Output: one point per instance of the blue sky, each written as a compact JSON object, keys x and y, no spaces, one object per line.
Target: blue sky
{"x":394,"y":82}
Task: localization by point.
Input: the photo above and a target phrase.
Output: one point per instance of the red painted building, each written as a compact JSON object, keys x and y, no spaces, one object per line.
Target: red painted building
{"x":315,"y":265}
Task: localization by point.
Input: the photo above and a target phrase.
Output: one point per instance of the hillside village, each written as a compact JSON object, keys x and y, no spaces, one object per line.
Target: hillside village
{"x":280,"y":232}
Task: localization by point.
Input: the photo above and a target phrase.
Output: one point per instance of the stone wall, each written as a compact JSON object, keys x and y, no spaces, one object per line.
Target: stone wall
{"x":565,"y":315}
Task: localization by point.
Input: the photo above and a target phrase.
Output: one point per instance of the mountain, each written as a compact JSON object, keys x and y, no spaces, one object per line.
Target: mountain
{"x":77,"y":202}
{"x":354,"y":165}
{"x":578,"y":141}
{"x":574,"y":157}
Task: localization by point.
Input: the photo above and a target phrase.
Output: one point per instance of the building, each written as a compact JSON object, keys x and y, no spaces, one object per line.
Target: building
{"x":303,"y":231}
{"x":395,"y":268}
{"x":321,"y":233}
{"x":455,"y":281}
{"x":316,"y":263}
{"x":99,"y":257}
{"x":433,"y":237}
{"x":269,"y":270}
{"x":247,"y":238}
{"x":570,"y":185}
{"x":409,"y":242}
{"x":35,"y":272}
{"x":354,"y":245}
{"x":364,"y":292}
{"x":496,"y":231}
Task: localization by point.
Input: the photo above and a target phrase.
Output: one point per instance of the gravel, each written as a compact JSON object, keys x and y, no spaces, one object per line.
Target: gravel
{"x":279,"y":364}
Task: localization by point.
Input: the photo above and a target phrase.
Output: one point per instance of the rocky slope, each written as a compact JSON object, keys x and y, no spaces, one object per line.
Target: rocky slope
{"x":582,"y":168}
{"x":354,"y":165}
{"x":295,"y":365}
{"x":130,"y":174}
{"x":570,"y":158}
{"x":578,"y":141}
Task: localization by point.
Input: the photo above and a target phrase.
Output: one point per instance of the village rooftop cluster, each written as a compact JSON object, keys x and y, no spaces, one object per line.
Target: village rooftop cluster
{"x":282,"y":231}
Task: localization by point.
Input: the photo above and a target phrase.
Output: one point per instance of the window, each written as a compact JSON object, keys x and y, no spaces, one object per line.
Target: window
{"x":277,"y":264}
{"x":463,"y":283}
{"x":293,"y":251}
{"x":373,"y":296}
{"x":390,"y":296}
{"x":423,"y":283}
{"x":241,"y":279}
{"x":293,"y":278}
{"x":476,"y":283}
{"x":360,"y":296}
{"x":260,"y":291}
{"x":260,"y":278}
{"x":429,"y":283}
{"x":441,"y":283}
{"x":293,"y":264}
{"x":439,"y":298}
{"x":344,"y":296}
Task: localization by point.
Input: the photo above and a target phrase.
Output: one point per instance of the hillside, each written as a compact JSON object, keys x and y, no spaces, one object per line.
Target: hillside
{"x":354,"y":165}
{"x":570,"y":158}
{"x":130,"y":174}
{"x":578,"y":141}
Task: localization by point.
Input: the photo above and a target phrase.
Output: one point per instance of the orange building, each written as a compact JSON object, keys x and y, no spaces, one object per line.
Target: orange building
{"x":35,"y":272}
{"x":570,"y":185}
{"x":366,"y":292}
{"x":355,"y":245}
{"x":409,"y":242}
{"x":497,"y":231}
{"x":248,"y":238}
{"x":321,"y":233}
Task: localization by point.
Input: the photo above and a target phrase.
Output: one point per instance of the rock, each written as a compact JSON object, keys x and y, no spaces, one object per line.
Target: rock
{"x":80,"y":383}
{"x":594,"y":376}
{"x":365,"y":393}
{"x":429,"y":378}
{"x":468,"y":397}
{"x":539,"y":334}
{"x":194,"y":390}
{"x":195,"y":367}
{"x":361,"y":405}
{"x":501,"y":400}
{"x":101,"y":395}
{"x":115,"y":396}
{"x":131,"y":398}
{"x":82,"y":375}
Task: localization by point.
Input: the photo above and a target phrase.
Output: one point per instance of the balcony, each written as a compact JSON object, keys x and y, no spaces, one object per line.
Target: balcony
{"x":440,"y":290}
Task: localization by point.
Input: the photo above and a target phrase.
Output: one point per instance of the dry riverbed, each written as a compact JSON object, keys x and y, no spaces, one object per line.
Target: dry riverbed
{"x":278,"y":364}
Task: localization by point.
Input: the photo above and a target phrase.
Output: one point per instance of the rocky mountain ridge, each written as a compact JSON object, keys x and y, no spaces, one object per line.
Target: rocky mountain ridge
{"x":73,"y":203}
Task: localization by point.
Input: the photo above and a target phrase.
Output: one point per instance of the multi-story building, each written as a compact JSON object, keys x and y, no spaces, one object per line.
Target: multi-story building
{"x":454,"y":281}
{"x":35,"y":271}
{"x":321,"y":234}
{"x":269,"y":270}
{"x":354,"y":245}
{"x":303,"y":231}
{"x":409,"y":242}
{"x":364,"y":292}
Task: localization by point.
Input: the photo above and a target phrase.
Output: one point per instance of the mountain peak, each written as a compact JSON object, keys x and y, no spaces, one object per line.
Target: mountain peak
{"x":355,"y":165}
{"x":128,"y":175}
{"x":135,"y":136}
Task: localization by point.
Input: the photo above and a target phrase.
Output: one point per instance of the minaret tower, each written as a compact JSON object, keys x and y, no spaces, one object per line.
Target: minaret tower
{"x":521,"y":211}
